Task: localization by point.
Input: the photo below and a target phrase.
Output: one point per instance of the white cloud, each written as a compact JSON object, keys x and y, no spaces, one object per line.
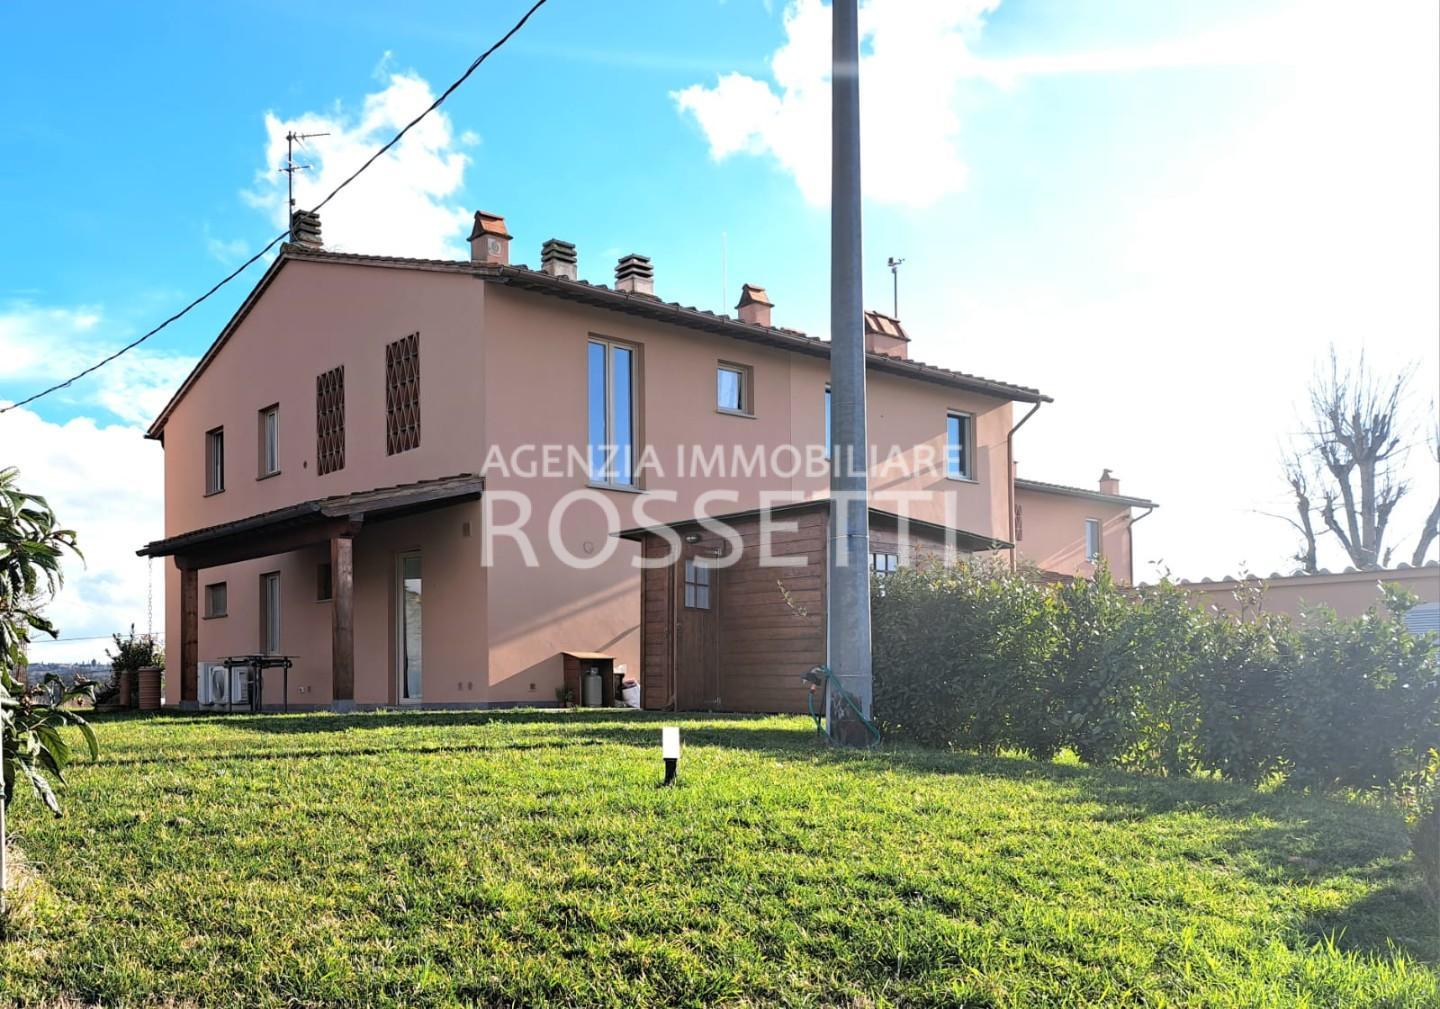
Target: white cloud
{"x":103,"y":479}
{"x":914,"y":55}
{"x":399,"y":206}
{"x":105,"y":482}
{"x":41,"y":345}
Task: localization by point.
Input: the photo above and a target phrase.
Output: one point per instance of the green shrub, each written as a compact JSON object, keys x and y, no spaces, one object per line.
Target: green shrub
{"x":961,"y":657}
{"x":1362,"y":699}
{"x":977,"y":656}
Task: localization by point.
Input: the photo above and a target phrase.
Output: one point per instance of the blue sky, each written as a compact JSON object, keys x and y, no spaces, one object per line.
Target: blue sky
{"x":1159,"y":213}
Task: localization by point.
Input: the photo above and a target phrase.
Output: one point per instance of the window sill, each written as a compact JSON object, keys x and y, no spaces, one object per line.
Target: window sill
{"x":735,"y":413}
{"x":215,"y":616}
{"x":620,"y":488}
{"x":212,"y":493}
{"x":961,"y":479}
{"x":267,"y":476}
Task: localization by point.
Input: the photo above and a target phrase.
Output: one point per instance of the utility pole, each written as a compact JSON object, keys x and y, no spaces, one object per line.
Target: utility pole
{"x":848,"y":624}
{"x":290,"y":168}
{"x":894,"y":265}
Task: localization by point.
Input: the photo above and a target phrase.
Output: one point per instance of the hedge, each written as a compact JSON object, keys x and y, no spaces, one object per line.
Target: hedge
{"x":978,"y":657}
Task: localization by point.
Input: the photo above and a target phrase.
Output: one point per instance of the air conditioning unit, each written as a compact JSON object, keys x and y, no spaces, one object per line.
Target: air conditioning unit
{"x":221,"y":687}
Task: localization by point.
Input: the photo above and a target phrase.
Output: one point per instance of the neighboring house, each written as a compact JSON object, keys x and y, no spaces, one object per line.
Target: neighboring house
{"x":1069,"y":531}
{"x":1349,"y":593}
{"x":332,"y":490}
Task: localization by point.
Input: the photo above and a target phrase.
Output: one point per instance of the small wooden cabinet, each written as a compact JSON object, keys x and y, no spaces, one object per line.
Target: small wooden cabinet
{"x":577,"y":664}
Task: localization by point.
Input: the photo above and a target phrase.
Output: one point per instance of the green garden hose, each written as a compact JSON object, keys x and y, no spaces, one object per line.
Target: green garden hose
{"x":824,"y":677}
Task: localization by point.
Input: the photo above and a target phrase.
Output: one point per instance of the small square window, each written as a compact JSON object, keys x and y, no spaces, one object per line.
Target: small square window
{"x":884,"y":564}
{"x":217,"y":602}
{"x":215,"y":460}
{"x":324,"y":589}
{"x":697,"y":584}
{"x":733,"y":389}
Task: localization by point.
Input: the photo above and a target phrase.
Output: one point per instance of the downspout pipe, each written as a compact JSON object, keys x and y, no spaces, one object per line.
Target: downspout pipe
{"x":1130,"y":526}
{"x":1010,"y":479}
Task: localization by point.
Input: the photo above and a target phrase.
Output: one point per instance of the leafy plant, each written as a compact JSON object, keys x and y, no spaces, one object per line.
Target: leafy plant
{"x":980,"y":657}
{"x":31,"y":547}
{"x":132,"y":653}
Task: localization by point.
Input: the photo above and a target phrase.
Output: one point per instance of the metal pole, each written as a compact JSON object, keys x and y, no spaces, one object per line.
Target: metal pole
{"x":848,"y":626}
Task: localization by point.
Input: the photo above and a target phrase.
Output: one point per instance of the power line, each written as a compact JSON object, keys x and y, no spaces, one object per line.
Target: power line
{"x":280,"y":237}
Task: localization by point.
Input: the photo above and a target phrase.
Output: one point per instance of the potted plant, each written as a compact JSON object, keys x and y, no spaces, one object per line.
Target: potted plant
{"x":132,"y":654}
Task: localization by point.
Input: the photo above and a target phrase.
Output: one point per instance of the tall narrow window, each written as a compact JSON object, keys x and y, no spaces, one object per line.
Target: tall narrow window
{"x":1092,"y":540}
{"x":324,"y":587}
{"x":697,"y":584}
{"x":215,"y":461}
{"x":270,"y":613}
{"x":409,"y":619}
{"x":611,"y":418}
{"x":732,"y":389}
{"x":402,"y":394}
{"x":270,"y":441}
{"x":330,"y":421}
{"x":958,"y":437}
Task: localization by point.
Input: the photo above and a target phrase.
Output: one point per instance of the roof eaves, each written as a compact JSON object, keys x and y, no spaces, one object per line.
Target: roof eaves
{"x":1042,"y":487}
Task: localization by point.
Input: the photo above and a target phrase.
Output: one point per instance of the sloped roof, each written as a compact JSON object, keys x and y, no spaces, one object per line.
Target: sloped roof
{"x":377,"y":503}
{"x":1041,"y":487}
{"x":600,"y":296}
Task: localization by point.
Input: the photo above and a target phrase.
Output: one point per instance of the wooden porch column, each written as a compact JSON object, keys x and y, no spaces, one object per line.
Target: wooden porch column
{"x":189,"y":634}
{"x":342,"y":621}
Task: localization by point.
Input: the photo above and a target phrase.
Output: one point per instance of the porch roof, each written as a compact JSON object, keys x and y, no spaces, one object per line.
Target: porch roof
{"x":963,"y":538}
{"x":311,"y":521}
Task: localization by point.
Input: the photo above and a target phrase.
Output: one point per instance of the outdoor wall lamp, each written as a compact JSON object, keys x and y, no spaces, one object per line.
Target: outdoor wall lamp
{"x":670,"y":750}
{"x":692,"y":538}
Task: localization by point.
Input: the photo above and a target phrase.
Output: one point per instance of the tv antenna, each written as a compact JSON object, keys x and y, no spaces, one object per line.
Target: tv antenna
{"x":894,"y":265}
{"x":290,"y":168}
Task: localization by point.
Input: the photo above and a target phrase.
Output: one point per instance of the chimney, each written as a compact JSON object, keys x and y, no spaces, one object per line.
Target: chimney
{"x":754,"y":306}
{"x":489,"y":241}
{"x":557,"y":258}
{"x":305,"y":229}
{"x":884,"y":335}
{"x":635,"y":274}
{"x":1109,"y":484}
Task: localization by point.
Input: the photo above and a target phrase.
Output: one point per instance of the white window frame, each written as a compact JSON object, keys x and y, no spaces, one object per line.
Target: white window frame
{"x":269,"y":441}
{"x":744,"y":380}
{"x":968,"y":471}
{"x":613,"y":475}
{"x":1095,"y":551}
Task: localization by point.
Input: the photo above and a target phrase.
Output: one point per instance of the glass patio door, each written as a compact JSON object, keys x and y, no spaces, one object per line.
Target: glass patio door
{"x":409,"y":662}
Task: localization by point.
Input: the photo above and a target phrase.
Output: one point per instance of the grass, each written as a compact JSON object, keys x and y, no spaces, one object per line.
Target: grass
{"x":527,"y":858}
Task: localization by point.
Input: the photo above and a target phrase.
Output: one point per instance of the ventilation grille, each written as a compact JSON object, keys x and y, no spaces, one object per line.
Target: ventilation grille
{"x":402,"y":394}
{"x":330,"y":421}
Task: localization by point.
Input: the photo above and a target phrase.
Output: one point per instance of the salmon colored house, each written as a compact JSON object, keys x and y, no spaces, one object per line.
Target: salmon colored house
{"x":433,"y":482}
{"x":1071,"y":531}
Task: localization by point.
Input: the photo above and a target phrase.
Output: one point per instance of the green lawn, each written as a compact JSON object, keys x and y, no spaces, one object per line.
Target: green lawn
{"x":527,"y":858}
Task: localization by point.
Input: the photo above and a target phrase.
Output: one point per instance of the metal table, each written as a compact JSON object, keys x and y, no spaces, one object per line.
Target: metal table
{"x":256,"y":666}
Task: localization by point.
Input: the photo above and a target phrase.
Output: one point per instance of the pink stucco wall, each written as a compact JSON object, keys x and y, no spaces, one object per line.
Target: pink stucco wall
{"x":1348,"y":593}
{"x":1053,"y":534}
{"x":501,"y":368}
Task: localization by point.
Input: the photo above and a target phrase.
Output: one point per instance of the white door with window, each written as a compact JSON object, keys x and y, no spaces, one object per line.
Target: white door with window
{"x":409,"y":664}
